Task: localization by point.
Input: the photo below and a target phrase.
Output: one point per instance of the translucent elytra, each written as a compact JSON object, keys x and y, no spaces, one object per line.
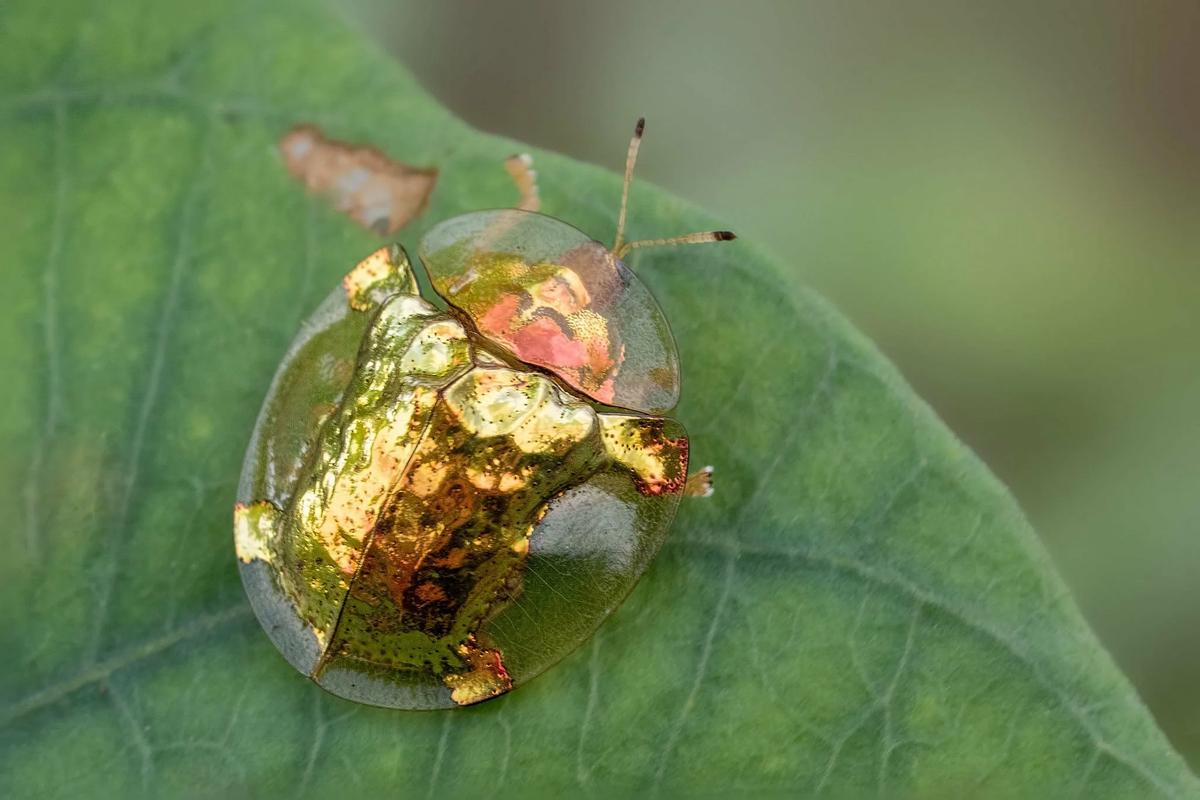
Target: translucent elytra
{"x":555,"y":298}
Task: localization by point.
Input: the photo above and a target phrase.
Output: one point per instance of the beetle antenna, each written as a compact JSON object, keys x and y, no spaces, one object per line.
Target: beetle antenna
{"x":691,"y":238}
{"x":630,"y":160}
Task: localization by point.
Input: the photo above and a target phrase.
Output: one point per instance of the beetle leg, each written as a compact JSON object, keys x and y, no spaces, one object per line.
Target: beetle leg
{"x":486,"y":679}
{"x":384,"y":273}
{"x":520,"y":167}
{"x":699,"y":483}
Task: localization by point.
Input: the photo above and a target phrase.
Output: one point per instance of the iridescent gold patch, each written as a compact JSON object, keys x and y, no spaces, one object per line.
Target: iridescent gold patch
{"x":658,"y":464}
{"x":380,"y":275}
{"x":254,"y":531}
{"x":486,"y":679}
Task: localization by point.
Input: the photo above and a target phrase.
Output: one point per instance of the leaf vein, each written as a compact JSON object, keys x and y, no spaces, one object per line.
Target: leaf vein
{"x":701,"y":668}
{"x":170,"y":308}
{"x":443,"y":741}
{"x":127,"y":658}
{"x":902,"y":584}
{"x":50,"y":334}
{"x":889,"y":741}
{"x":582,"y":773}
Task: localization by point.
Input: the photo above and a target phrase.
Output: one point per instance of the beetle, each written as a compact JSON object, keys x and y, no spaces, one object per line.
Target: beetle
{"x":438,"y":505}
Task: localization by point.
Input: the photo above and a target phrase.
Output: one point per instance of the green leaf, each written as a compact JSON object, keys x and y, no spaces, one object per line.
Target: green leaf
{"x":860,"y":608}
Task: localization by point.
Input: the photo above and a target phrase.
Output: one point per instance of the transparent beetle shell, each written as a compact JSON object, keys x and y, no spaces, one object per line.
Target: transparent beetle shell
{"x":433,"y":509}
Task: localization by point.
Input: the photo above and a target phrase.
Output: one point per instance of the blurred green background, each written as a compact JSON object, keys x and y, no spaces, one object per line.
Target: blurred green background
{"x":1004,"y":196}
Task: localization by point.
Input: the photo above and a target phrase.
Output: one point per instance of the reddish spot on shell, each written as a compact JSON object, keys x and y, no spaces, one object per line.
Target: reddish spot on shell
{"x":543,"y":342}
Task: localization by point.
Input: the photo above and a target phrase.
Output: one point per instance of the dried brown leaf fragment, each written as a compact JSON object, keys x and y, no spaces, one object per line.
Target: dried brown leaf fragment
{"x":375,"y":191}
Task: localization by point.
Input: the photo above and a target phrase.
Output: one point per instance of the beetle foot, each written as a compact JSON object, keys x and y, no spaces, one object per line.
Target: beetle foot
{"x":699,"y":483}
{"x":486,"y":679}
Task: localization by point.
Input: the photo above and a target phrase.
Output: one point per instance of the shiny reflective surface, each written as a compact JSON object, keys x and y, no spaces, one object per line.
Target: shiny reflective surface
{"x":403,"y":485}
{"x":554,"y":297}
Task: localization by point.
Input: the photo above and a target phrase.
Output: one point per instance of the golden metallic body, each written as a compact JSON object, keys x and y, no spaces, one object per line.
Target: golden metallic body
{"x":414,"y":512}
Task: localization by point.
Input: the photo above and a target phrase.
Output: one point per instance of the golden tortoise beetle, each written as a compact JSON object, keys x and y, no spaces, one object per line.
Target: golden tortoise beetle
{"x":436,"y":507}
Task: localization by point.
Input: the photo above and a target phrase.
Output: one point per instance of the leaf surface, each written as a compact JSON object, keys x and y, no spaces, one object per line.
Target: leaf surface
{"x":861,"y":608}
